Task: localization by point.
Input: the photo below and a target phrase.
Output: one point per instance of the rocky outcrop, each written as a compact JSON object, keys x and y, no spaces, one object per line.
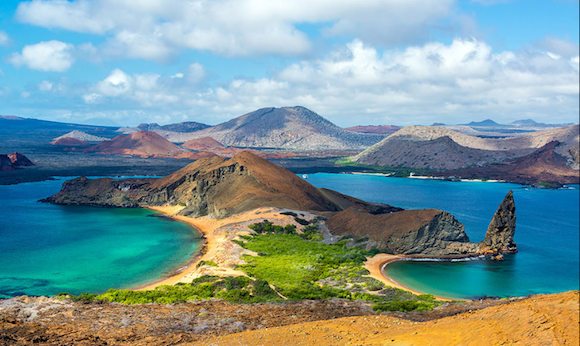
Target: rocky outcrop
{"x":82,"y":136}
{"x":428,"y":232}
{"x":500,"y":233}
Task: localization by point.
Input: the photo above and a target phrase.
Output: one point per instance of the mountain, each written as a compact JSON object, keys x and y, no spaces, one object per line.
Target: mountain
{"x":13,"y":161}
{"x":141,"y":143}
{"x":288,"y":128}
{"x":438,"y":148}
{"x":81,"y":136}
{"x":70,"y":142}
{"x":219,"y":188}
{"x":380,"y":129}
{"x":524,"y":122}
{"x":543,"y":165}
{"x":188,"y":126}
{"x":485,"y":123}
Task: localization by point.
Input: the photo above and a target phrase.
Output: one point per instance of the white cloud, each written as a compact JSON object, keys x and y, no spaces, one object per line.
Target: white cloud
{"x":159,"y":29}
{"x":4,"y":39}
{"x":45,"y":56}
{"x":45,"y":85}
{"x":116,"y":84}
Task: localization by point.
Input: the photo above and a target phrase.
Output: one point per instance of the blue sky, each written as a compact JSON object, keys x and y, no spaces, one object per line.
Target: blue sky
{"x":125,"y":62}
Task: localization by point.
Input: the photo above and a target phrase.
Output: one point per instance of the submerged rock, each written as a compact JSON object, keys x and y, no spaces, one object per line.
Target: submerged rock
{"x":500,"y":233}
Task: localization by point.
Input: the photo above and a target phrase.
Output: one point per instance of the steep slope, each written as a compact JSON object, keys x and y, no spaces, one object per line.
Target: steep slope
{"x":142,"y":143}
{"x":543,"y":165}
{"x":288,"y":127}
{"x":81,"y":136}
{"x":422,"y":147}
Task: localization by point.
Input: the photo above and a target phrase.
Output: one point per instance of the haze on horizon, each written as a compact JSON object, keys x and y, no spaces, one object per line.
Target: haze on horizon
{"x":369,"y":62}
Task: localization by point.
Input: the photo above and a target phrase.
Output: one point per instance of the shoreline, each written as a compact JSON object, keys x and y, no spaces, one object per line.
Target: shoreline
{"x":376,"y":265}
{"x":210,"y":243}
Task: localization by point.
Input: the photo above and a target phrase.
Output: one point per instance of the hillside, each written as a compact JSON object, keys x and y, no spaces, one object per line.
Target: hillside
{"x":203,"y":144}
{"x":70,"y":142}
{"x":543,"y":165}
{"x":187,"y":126}
{"x":142,"y":143}
{"x":538,"y":320}
{"x":288,"y":128}
{"x":13,"y":161}
{"x":439,"y":148}
{"x":81,"y":136}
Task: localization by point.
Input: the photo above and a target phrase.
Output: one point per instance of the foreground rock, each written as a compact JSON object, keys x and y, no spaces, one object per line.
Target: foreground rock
{"x":218,"y":188}
{"x":538,"y":320}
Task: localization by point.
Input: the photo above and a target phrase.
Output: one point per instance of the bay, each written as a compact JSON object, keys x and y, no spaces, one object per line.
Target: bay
{"x":46,"y":249}
{"x":547,"y":234}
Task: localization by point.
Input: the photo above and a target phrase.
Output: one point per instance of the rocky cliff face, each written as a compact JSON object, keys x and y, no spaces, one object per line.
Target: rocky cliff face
{"x":429,"y":232}
{"x":500,"y":233}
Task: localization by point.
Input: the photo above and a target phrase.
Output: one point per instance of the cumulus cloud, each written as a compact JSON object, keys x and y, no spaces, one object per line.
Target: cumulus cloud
{"x":356,"y":84}
{"x":158,"y":29}
{"x":4,"y":39}
{"x":45,"y":56}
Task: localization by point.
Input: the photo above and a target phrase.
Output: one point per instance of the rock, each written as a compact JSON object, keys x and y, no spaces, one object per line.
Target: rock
{"x":19,"y":160}
{"x":500,"y":233}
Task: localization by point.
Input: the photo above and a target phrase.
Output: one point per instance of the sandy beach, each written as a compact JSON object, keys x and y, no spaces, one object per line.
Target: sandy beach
{"x":376,"y":264}
{"x":219,"y":247}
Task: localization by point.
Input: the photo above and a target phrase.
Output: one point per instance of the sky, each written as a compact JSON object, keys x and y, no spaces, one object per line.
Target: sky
{"x":363,"y":62}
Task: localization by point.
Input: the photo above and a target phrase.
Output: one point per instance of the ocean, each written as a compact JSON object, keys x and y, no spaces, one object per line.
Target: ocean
{"x":547,"y":234}
{"x":47,"y":249}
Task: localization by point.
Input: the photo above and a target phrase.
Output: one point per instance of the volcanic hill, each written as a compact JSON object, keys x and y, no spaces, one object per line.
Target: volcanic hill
{"x":438,"y":148}
{"x":81,"y":136}
{"x":289,"y":128}
{"x":203,"y":144}
{"x":543,"y":165}
{"x":142,"y":143}
{"x":220,"y":188}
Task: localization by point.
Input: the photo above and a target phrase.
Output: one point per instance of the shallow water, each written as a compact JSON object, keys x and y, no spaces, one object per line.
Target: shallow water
{"x":47,"y":249}
{"x":547,"y":234}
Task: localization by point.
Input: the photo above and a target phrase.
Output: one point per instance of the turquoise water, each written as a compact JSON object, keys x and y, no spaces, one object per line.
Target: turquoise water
{"x":547,"y":234}
{"x":47,"y":249}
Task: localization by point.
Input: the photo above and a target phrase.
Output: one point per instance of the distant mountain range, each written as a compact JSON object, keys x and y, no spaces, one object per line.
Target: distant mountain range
{"x":514,"y":124}
{"x":441,"y":149}
{"x":376,"y":129}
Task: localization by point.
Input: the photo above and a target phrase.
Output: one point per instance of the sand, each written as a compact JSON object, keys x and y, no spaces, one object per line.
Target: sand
{"x":376,"y":264}
{"x":219,"y":247}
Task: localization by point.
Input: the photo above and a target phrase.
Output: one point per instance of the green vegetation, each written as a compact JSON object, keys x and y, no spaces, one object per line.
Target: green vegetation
{"x":298,"y":265}
{"x":236,"y":289}
{"x":208,"y":263}
{"x":302,"y":267}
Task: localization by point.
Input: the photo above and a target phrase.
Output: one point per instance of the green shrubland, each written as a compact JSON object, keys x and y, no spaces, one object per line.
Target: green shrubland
{"x":298,"y":265}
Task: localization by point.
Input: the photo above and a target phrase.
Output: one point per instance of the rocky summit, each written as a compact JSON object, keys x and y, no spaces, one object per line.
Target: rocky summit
{"x":501,"y":230}
{"x":295,"y":128}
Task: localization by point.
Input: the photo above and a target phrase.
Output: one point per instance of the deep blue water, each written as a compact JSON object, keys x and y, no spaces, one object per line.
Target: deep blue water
{"x":47,"y":249}
{"x":547,"y":234}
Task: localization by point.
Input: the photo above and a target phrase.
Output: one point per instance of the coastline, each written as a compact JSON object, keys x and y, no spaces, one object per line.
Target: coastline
{"x":377,"y":263}
{"x":217,"y":246}
{"x":214,"y":241}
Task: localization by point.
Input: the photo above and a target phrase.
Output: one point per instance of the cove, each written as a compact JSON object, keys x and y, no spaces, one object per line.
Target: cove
{"x":46,"y":249}
{"x":547,"y":234}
